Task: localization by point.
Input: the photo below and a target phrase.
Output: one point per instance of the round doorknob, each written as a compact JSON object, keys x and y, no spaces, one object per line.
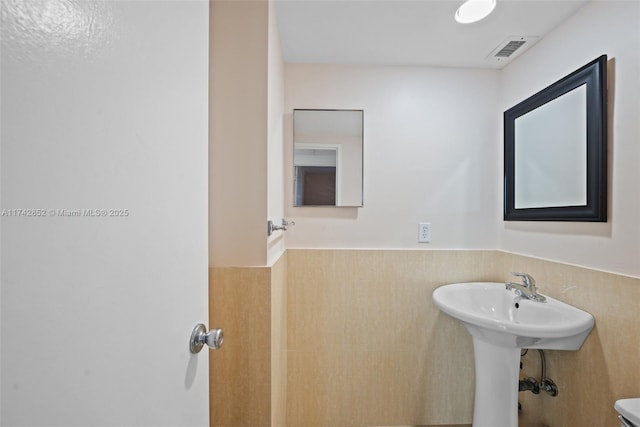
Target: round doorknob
{"x":200,"y":337}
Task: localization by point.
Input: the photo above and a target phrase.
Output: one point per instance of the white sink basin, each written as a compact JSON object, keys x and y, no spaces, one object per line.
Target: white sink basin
{"x":501,"y":323}
{"x":493,"y":314}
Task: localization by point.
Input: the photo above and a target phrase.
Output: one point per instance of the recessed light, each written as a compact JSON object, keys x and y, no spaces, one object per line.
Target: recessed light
{"x":474,"y":10}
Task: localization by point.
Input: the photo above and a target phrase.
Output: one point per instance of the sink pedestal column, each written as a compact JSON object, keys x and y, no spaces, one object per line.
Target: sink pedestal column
{"x":497,"y":374}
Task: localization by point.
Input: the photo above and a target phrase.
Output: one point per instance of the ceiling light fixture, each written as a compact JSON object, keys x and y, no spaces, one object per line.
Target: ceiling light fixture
{"x":474,"y":10}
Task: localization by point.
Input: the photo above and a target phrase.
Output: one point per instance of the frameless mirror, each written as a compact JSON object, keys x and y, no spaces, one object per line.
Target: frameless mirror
{"x":327,"y":157}
{"x":555,"y":148}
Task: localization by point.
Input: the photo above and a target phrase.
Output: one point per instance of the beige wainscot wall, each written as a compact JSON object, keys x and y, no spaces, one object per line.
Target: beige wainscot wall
{"x":331,"y":338}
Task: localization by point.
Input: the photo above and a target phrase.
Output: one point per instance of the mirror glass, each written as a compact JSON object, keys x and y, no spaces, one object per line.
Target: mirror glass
{"x":555,"y":150}
{"x":558,"y":127}
{"x":327,"y":157}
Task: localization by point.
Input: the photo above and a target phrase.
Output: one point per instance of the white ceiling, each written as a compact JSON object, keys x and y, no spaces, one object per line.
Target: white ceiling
{"x":409,"y":32}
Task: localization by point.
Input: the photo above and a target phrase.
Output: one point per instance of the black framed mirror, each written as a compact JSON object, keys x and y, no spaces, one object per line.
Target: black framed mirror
{"x":555,"y":150}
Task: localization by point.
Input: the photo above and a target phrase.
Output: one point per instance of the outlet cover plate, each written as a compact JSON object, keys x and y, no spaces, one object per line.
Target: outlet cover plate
{"x":424,"y":232}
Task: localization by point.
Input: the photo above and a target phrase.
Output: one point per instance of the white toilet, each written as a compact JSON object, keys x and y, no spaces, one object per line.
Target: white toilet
{"x":629,"y":410}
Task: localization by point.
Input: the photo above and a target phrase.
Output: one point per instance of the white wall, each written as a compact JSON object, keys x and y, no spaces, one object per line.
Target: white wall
{"x":246,"y":156}
{"x":275,"y":165}
{"x":433,"y":148}
{"x":239,"y":133}
{"x":601,"y":27}
{"x":430,"y":155}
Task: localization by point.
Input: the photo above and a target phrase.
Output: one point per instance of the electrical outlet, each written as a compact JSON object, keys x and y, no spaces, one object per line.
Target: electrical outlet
{"x":424,"y":232}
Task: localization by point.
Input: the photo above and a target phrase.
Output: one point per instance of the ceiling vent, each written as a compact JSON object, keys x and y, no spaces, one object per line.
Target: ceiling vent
{"x":510,"y":48}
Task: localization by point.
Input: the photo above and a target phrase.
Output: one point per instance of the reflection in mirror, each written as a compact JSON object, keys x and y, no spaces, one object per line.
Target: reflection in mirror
{"x":555,"y":150}
{"x":328,"y":157}
{"x":551,"y":153}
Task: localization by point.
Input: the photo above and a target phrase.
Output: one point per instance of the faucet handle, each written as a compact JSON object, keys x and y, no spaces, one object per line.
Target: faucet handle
{"x":527,"y":280}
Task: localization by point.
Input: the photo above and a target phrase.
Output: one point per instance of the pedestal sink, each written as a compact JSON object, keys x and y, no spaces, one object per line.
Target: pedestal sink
{"x":501,"y":323}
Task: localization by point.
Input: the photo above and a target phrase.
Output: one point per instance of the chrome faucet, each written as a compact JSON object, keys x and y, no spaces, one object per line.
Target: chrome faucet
{"x":527,"y":289}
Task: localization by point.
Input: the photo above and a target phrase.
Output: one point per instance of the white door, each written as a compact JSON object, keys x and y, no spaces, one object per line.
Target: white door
{"x":103,"y":167}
